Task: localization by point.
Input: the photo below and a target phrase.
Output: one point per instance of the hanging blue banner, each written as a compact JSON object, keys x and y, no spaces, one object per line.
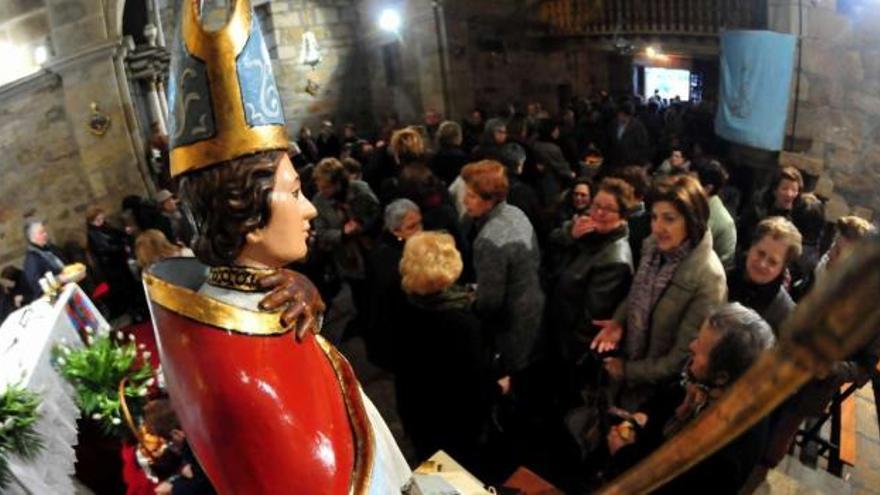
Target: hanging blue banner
{"x":756,"y":72}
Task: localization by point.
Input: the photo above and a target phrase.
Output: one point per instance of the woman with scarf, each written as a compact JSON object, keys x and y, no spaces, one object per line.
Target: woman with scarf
{"x":678,"y":283}
{"x":757,"y":280}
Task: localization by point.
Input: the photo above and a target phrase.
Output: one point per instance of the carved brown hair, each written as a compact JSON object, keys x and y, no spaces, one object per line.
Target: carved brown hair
{"x":228,"y":201}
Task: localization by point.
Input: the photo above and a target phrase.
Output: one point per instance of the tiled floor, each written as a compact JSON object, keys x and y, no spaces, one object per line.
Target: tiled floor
{"x":791,"y":477}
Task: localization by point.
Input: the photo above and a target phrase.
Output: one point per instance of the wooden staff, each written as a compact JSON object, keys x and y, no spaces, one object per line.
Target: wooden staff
{"x":839,"y":317}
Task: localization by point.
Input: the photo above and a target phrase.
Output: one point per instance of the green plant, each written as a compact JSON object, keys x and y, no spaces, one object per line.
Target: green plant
{"x":18,"y":434}
{"x":96,"y":372}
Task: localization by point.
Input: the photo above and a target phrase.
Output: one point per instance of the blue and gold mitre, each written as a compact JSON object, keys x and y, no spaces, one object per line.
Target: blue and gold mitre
{"x":222,"y":93}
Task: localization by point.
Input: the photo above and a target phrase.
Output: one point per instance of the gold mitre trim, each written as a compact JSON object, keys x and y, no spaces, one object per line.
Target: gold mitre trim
{"x":202,"y":309}
{"x":219,"y":49}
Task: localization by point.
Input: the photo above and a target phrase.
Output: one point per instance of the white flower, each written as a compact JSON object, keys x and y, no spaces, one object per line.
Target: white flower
{"x":97,"y":416}
{"x":89,"y":339}
{"x":7,"y":424}
{"x":150,"y":382}
{"x":61,"y":361}
{"x":66,"y":350}
{"x":131,"y":337}
{"x":142,"y":346}
{"x":116,"y":421}
{"x":120,"y":335}
{"x":147,"y":354}
{"x":142,"y":392}
{"x":89,"y":330}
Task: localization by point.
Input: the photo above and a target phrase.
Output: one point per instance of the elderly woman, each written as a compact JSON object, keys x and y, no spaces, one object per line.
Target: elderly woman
{"x":402,"y":219}
{"x":779,"y":200}
{"x":730,"y":341}
{"x":679,"y":281}
{"x":493,"y":138}
{"x":506,"y":260}
{"x":442,"y":363}
{"x":757,"y":281}
{"x":407,"y":148}
{"x":346,"y":211}
{"x":812,"y":399}
{"x":450,"y":157}
{"x":575,"y":201}
{"x":596,"y":270}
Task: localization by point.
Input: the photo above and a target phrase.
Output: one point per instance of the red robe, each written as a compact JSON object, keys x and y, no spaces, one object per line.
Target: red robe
{"x":262,"y":412}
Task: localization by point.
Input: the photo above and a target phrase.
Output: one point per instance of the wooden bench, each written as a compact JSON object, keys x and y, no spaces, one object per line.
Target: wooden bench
{"x":840,"y":447}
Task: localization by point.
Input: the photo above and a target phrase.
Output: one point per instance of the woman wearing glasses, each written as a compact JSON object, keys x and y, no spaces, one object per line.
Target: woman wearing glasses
{"x":596,"y":270}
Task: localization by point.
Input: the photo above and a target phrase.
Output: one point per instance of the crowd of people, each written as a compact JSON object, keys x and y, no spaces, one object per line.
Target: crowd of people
{"x":560,"y":292}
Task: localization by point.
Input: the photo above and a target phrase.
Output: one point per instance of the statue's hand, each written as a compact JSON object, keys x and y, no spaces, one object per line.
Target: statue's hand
{"x":300,"y":298}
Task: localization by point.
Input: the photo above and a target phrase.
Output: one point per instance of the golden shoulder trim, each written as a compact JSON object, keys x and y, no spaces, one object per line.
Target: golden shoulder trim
{"x":240,"y":278}
{"x":365,"y":444}
{"x":203,"y":309}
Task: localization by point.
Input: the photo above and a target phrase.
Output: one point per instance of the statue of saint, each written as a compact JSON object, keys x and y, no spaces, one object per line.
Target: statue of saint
{"x":264,"y":411}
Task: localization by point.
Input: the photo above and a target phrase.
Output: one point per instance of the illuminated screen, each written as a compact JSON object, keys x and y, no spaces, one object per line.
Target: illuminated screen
{"x":670,"y":82}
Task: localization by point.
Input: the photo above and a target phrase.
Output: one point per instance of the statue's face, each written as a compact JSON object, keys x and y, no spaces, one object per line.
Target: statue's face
{"x":284,"y":238}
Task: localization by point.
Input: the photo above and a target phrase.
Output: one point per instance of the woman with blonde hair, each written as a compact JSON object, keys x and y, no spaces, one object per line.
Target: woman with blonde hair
{"x":152,"y":246}
{"x":407,"y":146}
{"x":439,"y":342}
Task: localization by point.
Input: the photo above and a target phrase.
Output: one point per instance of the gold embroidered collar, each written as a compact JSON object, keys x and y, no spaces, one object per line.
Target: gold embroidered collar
{"x":238,"y":278}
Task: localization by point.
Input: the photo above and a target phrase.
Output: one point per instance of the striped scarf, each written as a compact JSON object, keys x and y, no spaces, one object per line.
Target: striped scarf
{"x":656,"y":270}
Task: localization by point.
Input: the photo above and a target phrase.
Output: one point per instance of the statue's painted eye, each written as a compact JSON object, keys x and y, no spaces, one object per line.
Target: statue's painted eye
{"x":295,"y":194}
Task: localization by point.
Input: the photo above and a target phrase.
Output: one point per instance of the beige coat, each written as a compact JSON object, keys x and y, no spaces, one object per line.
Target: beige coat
{"x":698,"y":286}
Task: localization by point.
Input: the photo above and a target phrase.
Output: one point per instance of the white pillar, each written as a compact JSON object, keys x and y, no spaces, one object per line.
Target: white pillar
{"x":163,"y":98}
{"x":156,"y":114}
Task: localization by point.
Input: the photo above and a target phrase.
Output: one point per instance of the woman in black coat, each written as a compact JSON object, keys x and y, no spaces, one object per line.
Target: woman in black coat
{"x":402,"y":219}
{"x":108,"y":247}
{"x":450,"y":157}
{"x":757,"y":280}
{"x":443,"y":378}
{"x":596,"y":270}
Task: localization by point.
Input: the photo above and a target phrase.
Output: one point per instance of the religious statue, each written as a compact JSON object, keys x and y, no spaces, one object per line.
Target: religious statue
{"x":264,"y":411}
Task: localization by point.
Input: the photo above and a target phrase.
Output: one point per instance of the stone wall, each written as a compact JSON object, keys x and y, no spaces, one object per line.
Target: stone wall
{"x":493,"y":57}
{"x":40,"y":168}
{"x":24,"y":27}
{"x":838,"y":107}
{"x":343,"y":91}
{"x":53,"y":166}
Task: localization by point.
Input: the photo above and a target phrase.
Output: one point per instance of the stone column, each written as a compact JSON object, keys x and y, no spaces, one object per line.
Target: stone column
{"x":163,"y":97}
{"x":157,"y":112}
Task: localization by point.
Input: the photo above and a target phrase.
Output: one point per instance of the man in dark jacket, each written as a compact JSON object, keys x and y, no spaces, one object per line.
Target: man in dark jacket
{"x":630,"y":144}
{"x":41,"y":257}
{"x":729,"y":342}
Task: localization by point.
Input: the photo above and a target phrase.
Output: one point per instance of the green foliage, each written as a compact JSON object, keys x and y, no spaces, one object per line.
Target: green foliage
{"x":18,"y":435}
{"x":96,"y":372}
